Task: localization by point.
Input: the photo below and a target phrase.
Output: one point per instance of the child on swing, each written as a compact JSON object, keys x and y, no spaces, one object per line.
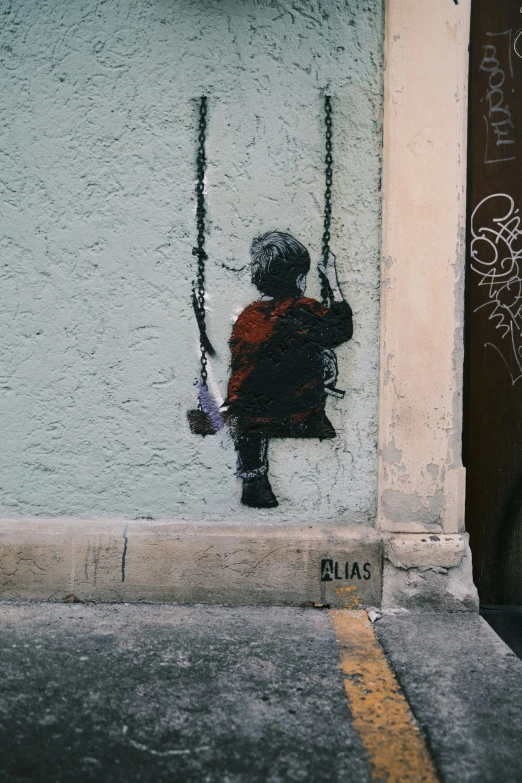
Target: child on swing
{"x":282,"y":363}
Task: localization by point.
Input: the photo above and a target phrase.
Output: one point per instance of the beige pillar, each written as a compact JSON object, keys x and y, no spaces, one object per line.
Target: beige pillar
{"x":421,"y":478}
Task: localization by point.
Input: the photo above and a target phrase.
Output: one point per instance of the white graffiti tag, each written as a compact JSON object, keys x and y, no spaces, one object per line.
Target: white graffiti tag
{"x":518,"y":41}
{"x":496,"y":257}
{"x":517,"y":45}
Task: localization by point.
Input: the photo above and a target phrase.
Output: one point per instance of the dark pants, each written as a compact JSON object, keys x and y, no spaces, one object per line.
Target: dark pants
{"x":251,"y":456}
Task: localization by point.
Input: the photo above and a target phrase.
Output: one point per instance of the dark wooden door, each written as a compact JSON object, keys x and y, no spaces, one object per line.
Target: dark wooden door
{"x":493,"y":327}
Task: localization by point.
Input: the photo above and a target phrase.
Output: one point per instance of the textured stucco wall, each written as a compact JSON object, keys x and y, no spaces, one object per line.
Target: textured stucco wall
{"x":98,"y":340}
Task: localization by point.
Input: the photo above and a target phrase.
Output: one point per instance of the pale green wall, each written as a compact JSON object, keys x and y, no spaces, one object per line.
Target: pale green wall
{"x":98,"y":340}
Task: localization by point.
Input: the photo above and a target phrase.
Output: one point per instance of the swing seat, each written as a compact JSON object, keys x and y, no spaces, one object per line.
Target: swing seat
{"x":200,"y":422}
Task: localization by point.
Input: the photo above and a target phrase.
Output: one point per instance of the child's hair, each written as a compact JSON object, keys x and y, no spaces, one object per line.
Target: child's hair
{"x":277,"y":261}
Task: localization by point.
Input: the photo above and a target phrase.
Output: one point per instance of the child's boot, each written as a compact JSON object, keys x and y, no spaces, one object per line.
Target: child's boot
{"x":257,"y":493}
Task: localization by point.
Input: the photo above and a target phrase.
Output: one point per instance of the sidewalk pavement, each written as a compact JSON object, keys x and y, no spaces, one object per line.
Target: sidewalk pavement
{"x":163,"y":692}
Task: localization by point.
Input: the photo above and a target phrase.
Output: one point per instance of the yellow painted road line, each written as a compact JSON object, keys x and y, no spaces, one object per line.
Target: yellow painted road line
{"x":381,"y":715}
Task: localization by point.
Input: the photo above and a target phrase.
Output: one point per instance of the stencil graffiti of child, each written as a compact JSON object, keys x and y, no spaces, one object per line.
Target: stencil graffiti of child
{"x":282,"y":363}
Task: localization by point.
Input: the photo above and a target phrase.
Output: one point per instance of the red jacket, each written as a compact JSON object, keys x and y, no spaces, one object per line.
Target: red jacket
{"x":276,"y":383}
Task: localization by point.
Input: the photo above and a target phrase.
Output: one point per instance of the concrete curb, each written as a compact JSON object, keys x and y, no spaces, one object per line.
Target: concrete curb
{"x":169,"y":561}
{"x":118,"y":560}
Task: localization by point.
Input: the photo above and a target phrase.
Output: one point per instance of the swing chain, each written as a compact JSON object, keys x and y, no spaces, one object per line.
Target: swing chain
{"x":199,"y":250}
{"x":328,"y":163}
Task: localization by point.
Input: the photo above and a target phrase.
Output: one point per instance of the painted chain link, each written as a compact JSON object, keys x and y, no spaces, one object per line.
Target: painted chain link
{"x":199,"y":250}
{"x":328,"y":170}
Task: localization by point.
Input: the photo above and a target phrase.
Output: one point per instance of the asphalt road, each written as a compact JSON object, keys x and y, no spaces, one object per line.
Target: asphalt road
{"x":237,"y":694}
